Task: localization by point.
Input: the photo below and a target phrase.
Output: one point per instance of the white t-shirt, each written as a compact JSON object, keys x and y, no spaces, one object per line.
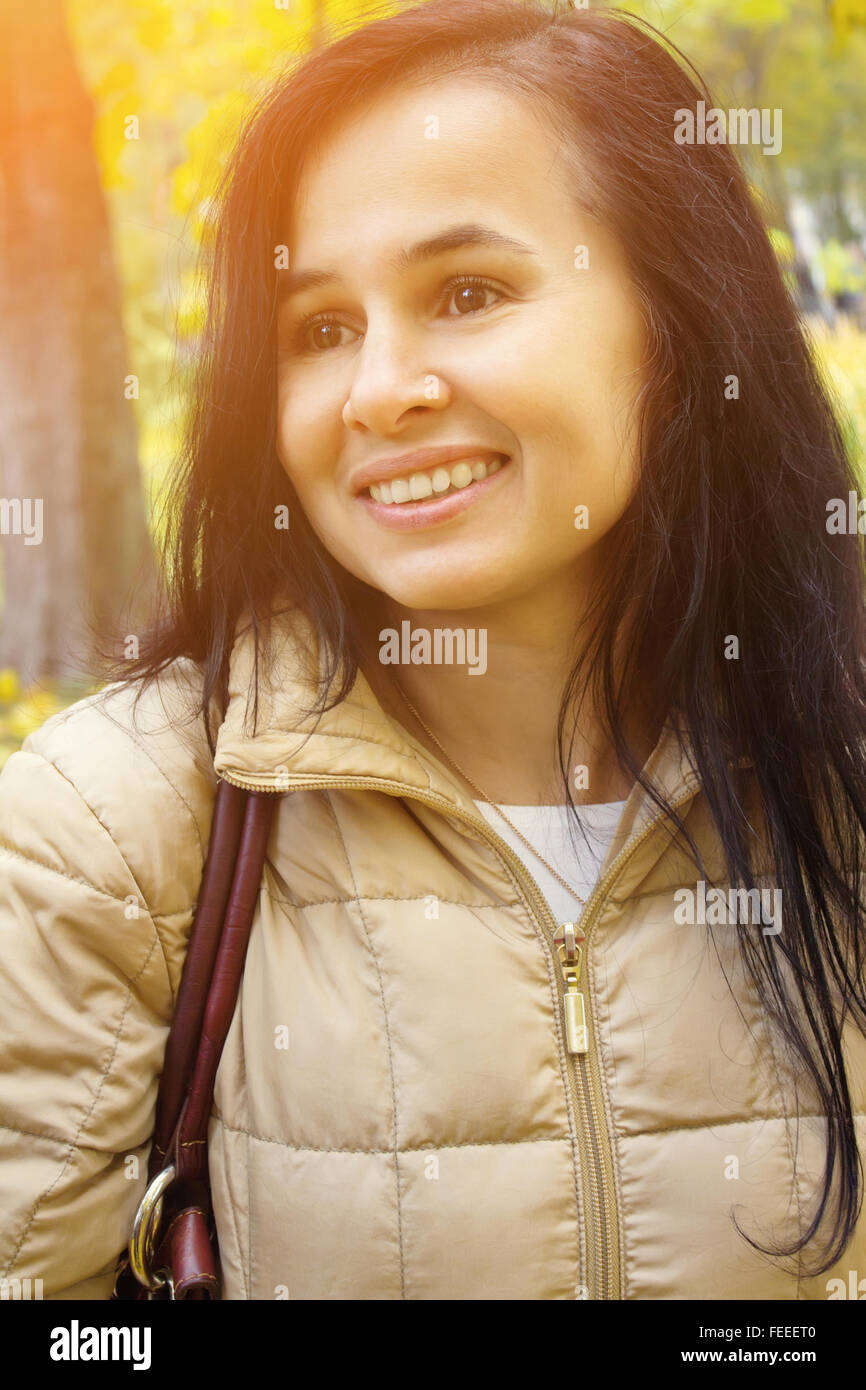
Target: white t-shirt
{"x":547,"y":827}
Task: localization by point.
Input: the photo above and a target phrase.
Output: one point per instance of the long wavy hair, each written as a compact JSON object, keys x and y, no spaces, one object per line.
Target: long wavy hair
{"x":726,"y":532}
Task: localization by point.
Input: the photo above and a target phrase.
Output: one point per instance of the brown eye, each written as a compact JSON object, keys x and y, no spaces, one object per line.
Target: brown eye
{"x":315,"y":335}
{"x":468,"y":297}
{"x":468,"y":293}
{"x":325,"y":334}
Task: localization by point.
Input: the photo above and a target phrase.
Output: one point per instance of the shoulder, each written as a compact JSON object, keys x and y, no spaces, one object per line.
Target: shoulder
{"x":104,"y":822}
{"x":121,"y":781}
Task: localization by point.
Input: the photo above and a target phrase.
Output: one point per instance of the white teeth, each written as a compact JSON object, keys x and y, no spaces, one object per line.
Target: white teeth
{"x":417,"y":486}
{"x":420,"y":485}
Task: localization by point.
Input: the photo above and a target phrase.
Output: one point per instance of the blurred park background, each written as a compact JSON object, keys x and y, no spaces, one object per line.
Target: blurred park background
{"x":115,"y":119}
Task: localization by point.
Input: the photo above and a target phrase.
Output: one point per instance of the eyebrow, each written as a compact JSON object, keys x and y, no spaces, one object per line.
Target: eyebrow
{"x":293,"y":282}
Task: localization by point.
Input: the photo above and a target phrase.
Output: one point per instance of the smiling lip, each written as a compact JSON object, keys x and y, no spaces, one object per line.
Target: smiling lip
{"x":419,"y":462}
{"x":418,"y":516}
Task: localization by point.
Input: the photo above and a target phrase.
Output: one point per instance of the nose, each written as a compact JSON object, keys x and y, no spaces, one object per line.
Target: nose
{"x":390,"y":379}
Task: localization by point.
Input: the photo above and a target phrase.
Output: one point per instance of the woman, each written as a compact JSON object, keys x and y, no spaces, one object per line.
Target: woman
{"x":500,"y":551}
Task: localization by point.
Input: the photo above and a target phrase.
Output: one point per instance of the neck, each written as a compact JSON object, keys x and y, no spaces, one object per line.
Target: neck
{"x":499,"y":727}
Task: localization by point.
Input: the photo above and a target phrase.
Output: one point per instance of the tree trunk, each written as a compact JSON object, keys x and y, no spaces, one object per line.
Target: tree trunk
{"x":67,"y":432}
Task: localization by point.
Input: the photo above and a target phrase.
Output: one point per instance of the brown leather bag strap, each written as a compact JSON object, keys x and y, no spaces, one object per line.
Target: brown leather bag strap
{"x":188,"y":1146}
{"x":184,"y":1233}
{"x":183,"y":1038}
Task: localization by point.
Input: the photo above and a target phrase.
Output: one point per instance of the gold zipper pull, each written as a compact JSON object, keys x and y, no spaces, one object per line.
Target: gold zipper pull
{"x":567,"y":940}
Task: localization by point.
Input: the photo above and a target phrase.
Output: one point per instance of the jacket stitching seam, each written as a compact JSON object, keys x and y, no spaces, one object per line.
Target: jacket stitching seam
{"x":62,"y":1141}
{"x":85,"y":883}
{"x":721,"y":1124}
{"x":129,"y":732}
{"x":84,"y":802}
{"x":422,"y":1148}
{"x":153,"y":917}
{"x":378,"y":744}
{"x":386,"y":898}
{"x":405,"y":1148}
{"x":73,"y":1146}
{"x":666,"y":892}
{"x":65,"y":1142}
{"x":232,"y":1206}
{"x":390,"y":1049}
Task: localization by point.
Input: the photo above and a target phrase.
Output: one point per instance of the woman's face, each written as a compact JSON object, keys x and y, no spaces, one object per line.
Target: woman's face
{"x":536,"y":361}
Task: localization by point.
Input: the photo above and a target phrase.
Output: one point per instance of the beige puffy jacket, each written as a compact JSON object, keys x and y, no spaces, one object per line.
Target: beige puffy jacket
{"x":397,"y":1114}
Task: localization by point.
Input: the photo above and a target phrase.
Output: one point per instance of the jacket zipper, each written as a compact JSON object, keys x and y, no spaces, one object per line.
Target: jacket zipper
{"x":583,"y":1068}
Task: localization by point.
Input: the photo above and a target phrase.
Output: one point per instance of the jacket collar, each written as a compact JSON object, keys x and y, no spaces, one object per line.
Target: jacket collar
{"x":358,"y":740}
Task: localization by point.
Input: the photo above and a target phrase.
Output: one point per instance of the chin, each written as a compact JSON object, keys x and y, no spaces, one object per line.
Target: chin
{"x":461,"y":592}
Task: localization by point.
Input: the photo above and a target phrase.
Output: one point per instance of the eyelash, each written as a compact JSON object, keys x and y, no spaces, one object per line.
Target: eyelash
{"x":457,"y":282}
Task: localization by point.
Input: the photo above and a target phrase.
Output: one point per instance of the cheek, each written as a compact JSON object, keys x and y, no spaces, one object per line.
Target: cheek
{"x":302,"y":439}
{"x":607,"y":389}
{"x":580,"y":369}
{"x":584,"y":417}
{"x":287,"y":431}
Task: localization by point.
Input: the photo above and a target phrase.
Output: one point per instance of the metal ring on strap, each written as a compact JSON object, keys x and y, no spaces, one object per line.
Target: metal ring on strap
{"x":142,"y":1242}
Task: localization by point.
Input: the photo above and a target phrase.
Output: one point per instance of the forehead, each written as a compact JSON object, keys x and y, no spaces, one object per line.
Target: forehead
{"x":458,"y":145}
